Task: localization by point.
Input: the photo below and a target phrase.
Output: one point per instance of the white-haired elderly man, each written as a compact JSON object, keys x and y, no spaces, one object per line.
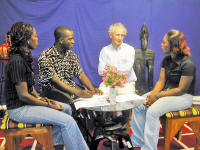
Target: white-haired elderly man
{"x":120,"y":56}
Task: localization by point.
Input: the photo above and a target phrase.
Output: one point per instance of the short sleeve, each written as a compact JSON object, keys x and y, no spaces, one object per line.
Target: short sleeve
{"x":77,"y":66}
{"x":188,"y":68}
{"x":164,"y":62}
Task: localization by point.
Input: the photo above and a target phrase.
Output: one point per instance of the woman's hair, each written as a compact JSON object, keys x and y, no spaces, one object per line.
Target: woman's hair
{"x":177,"y":42}
{"x":19,"y":35}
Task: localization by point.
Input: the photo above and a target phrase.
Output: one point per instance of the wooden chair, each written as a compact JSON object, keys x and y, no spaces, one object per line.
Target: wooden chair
{"x":16,"y":132}
{"x":172,"y":123}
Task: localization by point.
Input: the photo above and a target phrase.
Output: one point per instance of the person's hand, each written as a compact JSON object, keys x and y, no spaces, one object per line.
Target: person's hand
{"x":56,"y":106}
{"x":147,"y":102}
{"x":49,"y":100}
{"x":52,"y":103}
{"x":151,"y":98}
{"x":97,"y":91}
{"x":110,"y":67}
{"x":85,"y":93}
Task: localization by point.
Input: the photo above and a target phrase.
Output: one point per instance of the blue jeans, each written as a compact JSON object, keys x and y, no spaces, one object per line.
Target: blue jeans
{"x":65,"y":132}
{"x":146,"y":121}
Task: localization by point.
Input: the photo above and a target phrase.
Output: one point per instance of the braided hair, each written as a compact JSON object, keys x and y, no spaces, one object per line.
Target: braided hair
{"x":19,"y":35}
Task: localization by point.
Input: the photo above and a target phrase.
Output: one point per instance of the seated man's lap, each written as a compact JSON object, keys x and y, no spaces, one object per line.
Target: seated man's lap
{"x":57,"y":95}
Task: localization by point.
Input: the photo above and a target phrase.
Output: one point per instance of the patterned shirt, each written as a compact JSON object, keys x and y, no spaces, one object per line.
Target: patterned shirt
{"x":52,"y":63}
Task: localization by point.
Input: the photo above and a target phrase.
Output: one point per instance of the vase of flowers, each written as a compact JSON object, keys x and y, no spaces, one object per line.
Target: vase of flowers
{"x":112,"y":95}
{"x":113,"y":79}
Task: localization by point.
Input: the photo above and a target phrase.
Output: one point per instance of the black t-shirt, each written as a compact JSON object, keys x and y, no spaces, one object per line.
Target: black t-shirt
{"x":175,"y":68}
{"x":17,"y":70}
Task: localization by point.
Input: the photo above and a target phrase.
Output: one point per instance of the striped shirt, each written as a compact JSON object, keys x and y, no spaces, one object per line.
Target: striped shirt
{"x":17,"y":70}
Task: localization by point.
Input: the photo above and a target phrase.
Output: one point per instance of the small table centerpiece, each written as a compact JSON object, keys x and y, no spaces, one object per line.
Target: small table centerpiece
{"x":112,"y":79}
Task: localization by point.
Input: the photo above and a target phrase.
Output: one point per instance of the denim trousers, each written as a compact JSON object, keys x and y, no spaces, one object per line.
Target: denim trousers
{"x":65,"y":130}
{"x":146,"y":120}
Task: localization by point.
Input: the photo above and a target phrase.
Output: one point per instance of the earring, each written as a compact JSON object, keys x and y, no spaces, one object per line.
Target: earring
{"x":28,"y":42}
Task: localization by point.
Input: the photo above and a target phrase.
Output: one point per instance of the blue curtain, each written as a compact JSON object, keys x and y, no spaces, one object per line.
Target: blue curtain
{"x":90,"y":19}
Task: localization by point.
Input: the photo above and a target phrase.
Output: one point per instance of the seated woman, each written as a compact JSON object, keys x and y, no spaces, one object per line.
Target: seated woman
{"x":23,"y":102}
{"x":172,"y":91}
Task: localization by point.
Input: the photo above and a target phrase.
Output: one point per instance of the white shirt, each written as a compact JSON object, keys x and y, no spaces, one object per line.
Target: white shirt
{"x":122,"y":58}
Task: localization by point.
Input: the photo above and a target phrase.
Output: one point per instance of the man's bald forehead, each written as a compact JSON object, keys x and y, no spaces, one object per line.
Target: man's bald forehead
{"x":61,"y":31}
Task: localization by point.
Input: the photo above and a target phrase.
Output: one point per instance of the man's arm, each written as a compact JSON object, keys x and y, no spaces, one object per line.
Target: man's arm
{"x":85,"y":81}
{"x":67,"y":88}
{"x":102,"y":62}
{"x":35,"y":93}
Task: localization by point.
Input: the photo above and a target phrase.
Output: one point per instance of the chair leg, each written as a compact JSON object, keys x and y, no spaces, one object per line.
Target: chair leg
{"x":172,"y":127}
{"x":178,"y":135}
{"x":196,"y":129}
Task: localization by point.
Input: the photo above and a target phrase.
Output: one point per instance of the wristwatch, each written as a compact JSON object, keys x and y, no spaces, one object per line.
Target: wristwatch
{"x":158,"y":95}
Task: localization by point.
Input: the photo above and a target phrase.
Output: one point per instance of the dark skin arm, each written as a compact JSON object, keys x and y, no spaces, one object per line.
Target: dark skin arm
{"x":67,"y":88}
{"x":184,"y":84}
{"x":84,"y":80}
{"x":25,"y":96}
{"x":35,"y":93}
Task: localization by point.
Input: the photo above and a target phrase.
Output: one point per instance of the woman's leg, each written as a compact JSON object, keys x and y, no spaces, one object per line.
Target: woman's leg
{"x":67,"y":127}
{"x":155,"y":111}
{"x":137,"y":125}
{"x":57,"y":135}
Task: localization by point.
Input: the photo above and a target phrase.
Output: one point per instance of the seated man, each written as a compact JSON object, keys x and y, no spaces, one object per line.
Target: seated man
{"x":57,"y":67}
{"x":119,"y":55}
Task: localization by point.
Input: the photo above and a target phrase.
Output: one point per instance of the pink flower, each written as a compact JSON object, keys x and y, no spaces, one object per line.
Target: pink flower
{"x":126,"y":76}
{"x":113,"y":78}
{"x":122,"y":85}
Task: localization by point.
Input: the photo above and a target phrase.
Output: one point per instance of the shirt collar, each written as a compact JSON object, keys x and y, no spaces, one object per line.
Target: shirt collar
{"x":178,"y":60}
{"x":119,"y":48}
{"x":57,"y":54}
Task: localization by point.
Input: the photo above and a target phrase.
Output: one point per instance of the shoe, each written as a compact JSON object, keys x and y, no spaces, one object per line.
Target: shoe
{"x":107,"y":143}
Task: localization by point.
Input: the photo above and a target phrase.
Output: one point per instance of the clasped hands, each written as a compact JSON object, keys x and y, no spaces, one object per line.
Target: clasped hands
{"x":151,"y":98}
{"x":52,"y":103}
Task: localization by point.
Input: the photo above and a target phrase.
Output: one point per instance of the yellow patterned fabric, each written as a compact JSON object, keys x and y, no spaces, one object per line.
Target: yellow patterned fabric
{"x":192,"y":111}
{"x":7,"y":123}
